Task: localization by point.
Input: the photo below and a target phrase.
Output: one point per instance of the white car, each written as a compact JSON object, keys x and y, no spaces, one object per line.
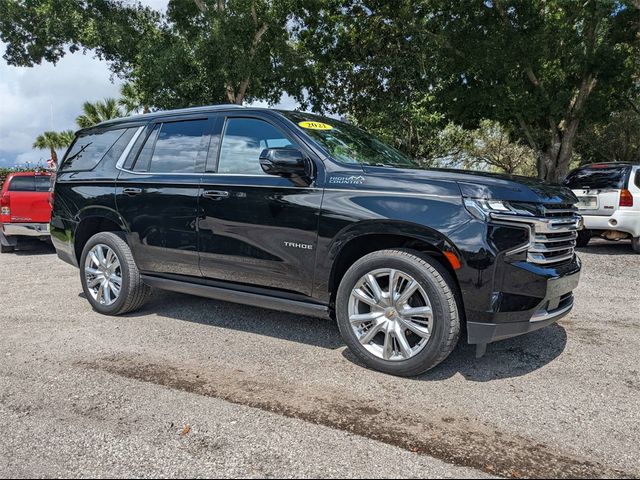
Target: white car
{"x":609,"y":195}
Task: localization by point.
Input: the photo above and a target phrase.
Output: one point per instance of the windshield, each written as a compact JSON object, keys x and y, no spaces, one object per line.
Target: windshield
{"x":598,"y":178}
{"x":348,"y":144}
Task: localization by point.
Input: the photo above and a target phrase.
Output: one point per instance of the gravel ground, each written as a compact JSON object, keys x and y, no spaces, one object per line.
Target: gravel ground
{"x":194,"y":387}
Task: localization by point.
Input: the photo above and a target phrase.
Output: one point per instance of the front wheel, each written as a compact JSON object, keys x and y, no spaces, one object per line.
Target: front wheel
{"x":635,"y":243}
{"x":110,"y":278}
{"x":397,"y":312}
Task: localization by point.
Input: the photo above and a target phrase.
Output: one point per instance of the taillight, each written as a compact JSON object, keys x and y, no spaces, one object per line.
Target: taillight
{"x":5,"y":205}
{"x":626,"y":199}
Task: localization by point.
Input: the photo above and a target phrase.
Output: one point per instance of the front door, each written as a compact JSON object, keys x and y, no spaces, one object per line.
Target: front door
{"x":256,"y":229}
{"x":157,"y":196}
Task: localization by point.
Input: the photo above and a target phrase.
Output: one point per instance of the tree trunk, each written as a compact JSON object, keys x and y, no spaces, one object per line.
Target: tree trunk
{"x":556,"y":160}
{"x":54,"y":156}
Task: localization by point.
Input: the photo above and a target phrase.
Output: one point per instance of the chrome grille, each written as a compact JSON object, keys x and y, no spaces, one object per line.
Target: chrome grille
{"x":554,"y":233}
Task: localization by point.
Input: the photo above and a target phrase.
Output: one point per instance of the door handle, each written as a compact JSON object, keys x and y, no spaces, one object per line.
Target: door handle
{"x":132,"y":191}
{"x":215,"y":194}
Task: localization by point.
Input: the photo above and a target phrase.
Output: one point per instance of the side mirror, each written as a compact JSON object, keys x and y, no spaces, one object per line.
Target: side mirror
{"x":285,"y":162}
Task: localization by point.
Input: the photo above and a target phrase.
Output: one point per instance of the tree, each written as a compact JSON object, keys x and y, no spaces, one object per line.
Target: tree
{"x":100,"y":111}
{"x":616,"y":139}
{"x":491,"y":147}
{"x":220,"y":52}
{"x":49,"y":29}
{"x":545,"y":68}
{"x":200,"y":52}
{"x":542,"y":68}
{"x":131,"y":99}
{"x":53,"y":141}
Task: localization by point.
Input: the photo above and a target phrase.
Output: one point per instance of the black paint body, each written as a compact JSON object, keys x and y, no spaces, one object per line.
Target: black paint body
{"x":239,"y":241}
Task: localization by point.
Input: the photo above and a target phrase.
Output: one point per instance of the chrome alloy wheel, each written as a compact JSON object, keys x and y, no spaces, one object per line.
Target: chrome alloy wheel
{"x":391,"y":314}
{"x":103,"y":274}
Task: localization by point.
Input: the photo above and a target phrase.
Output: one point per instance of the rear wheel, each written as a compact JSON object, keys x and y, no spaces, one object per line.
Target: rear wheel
{"x":635,"y":243}
{"x":584,"y":236}
{"x":110,"y":278}
{"x":397,"y":312}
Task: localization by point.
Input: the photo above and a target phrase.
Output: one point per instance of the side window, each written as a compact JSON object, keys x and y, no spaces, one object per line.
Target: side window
{"x":638,"y":178}
{"x":88,"y":150}
{"x":242,"y":142}
{"x":22,"y":184}
{"x":43,"y":183}
{"x":179,"y":146}
{"x":142,"y":162}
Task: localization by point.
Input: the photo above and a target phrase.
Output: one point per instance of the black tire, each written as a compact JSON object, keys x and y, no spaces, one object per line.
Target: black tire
{"x":584,"y":236}
{"x":441,"y":290}
{"x":6,"y":248}
{"x":133,"y":292}
{"x":635,"y":243}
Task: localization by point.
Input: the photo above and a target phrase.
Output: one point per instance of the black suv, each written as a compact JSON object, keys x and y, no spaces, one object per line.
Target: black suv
{"x":297,"y":212}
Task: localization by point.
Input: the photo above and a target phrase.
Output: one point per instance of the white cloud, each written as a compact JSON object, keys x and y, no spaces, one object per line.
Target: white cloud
{"x":46,"y":97}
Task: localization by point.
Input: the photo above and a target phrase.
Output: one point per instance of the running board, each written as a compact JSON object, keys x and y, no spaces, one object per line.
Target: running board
{"x":235,"y":296}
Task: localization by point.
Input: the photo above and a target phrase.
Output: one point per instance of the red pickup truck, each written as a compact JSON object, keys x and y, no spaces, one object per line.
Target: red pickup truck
{"x":25,"y":210}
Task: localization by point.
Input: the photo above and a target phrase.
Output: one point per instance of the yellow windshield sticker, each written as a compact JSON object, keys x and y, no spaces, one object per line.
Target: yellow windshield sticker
{"x":315,"y":125}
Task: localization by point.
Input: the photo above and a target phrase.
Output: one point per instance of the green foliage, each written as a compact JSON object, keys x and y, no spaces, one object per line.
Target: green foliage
{"x":208,"y":51}
{"x":616,"y":139}
{"x":37,"y":30}
{"x":100,"y":111}
{"x":131,"y":99}
{"x":542,"y":68}
{"x":491,"y":147}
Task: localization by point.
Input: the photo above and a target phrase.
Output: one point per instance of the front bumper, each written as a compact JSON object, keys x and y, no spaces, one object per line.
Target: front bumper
{"x":483,"y":333}
{"x":520,"y":308}
{"x":25,"y":229}
{"x":627,"y":221}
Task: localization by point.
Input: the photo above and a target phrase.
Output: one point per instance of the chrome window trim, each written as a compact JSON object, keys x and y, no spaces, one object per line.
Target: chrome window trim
{"x":127,"y":150}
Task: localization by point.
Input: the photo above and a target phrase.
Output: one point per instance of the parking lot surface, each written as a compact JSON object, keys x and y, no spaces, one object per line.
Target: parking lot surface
{"x":194,"y":387}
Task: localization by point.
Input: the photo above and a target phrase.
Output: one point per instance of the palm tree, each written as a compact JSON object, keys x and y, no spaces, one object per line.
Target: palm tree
{"x":131,"y":100}
{"x":52,"y":141}
{"x":99,"y":111}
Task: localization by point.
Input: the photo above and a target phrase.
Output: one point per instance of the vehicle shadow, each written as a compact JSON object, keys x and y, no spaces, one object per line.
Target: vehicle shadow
{"x":33,"y":246}
{"x":308,"y":330}
{"x":606,"y":247}
{"x":507,"y":359}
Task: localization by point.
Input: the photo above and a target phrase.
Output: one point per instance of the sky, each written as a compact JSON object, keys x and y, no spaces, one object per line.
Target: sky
{"x":50,"y":97}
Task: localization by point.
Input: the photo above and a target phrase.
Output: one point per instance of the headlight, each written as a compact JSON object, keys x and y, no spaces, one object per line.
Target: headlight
{"x":483,"y":208}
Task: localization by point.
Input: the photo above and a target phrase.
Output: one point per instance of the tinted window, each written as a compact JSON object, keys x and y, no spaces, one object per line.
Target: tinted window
{"x":599,"y":178}
{"x":22,"y":184}
{"x":638,"y":179}
{"x":179,"y":147}
{"x":243,"y":141}
{"x":142,"y":163}
{"x":87,"y":151}
{"x":347,"y":143}
{"x":43,"y":183}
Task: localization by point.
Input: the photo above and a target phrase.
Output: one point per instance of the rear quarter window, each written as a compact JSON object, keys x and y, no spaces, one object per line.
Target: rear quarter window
{"x":89,"y":150}
{"x":607,"y":178}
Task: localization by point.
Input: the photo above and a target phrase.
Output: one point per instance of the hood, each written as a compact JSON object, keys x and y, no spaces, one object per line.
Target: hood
{"x":482,"y":184}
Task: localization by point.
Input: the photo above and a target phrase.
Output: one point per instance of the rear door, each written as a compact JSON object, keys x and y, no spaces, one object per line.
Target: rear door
{"x":598,"y":188}
{"x":157,"y":194}
{"x":29,"y":199}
